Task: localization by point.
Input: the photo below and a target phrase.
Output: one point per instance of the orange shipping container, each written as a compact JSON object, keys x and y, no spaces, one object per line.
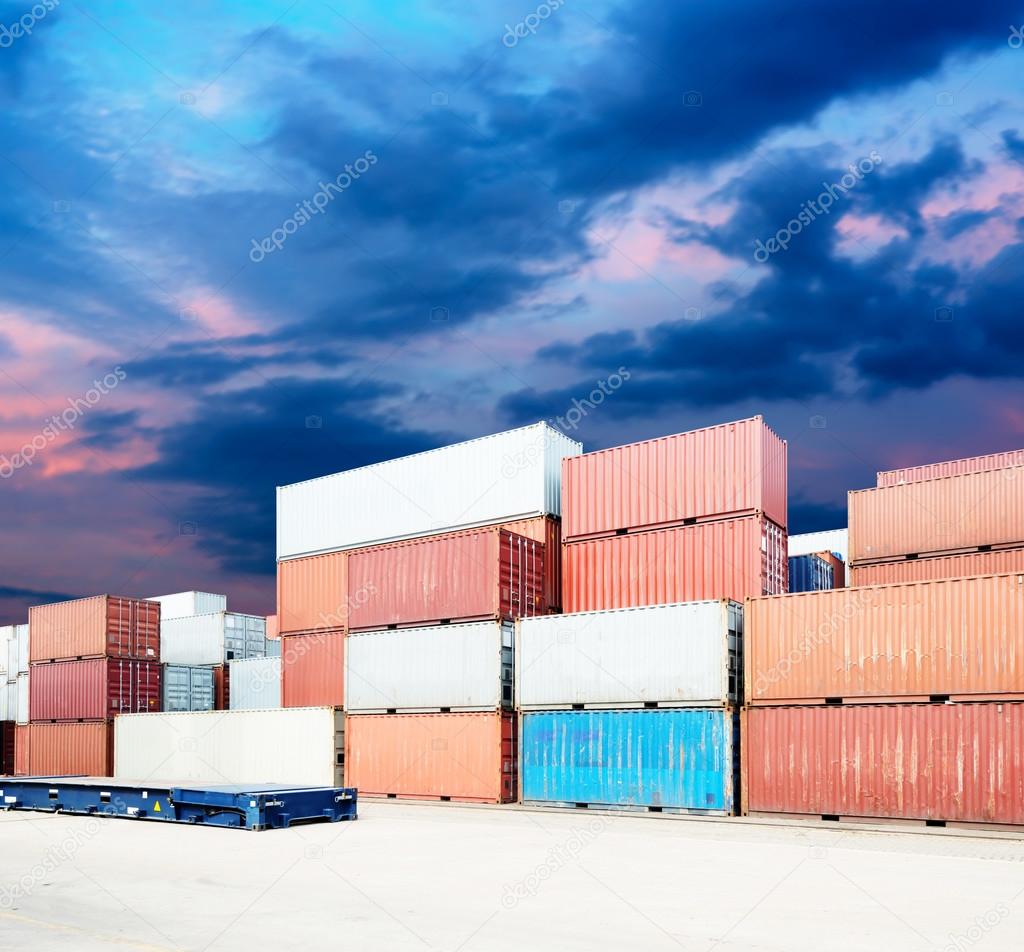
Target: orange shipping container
{"x":960,"y":638}
{"x":956,"y":467}
{"x":948,"y":515}
{"x":101,"y":626}
{"x":65,"y":750}
{"x":273,"y":631}
{"x":313,"y":669}
{"x":945,"y":762}
{"x":938,"y":566}
{"x":22,"y":762}
{"x":735,"y":558}
{"x":470,"y":757}
{"x":312,"y":593}
{"x":838,"y":568}
{"x":548,"y":530}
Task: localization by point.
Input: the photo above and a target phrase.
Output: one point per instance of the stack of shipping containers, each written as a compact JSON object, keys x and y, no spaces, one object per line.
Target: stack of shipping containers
{"x":813,"y":572}
{"x":13,"y":695}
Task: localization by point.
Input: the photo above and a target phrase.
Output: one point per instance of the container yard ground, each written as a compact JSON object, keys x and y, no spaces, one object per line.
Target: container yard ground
{"x":426,"y":876}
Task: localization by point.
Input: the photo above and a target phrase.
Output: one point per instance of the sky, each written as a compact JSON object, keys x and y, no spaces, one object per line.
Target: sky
{"x":243,"y":245}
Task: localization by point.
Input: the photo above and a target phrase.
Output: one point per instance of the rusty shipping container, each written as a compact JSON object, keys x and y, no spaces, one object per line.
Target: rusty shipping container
{"x":93,"y":689}
{"x":97,"y":627}
{"x":719,"y":472}
{"x":8,"y":743}
{"x":21,"y":758}
{"x":954,"y":467}
{"x":997,"y":562}
{"x":313,"y":669}
{"x":953,"y":638}
{"x":470,"y":576}
{"x":734,"y":558}
{"x":312,"y":593}
{"x":954,"y":763}
{"x":461,"y":756}
{"x":947,"y":515}
{"x":64,"y":750}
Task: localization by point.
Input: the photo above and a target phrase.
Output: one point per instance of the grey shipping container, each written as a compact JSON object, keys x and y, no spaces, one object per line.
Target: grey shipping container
{"x":187,"y":688}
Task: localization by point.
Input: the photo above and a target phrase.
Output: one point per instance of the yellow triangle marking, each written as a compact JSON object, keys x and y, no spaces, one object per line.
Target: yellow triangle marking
{"x":156,"y":807}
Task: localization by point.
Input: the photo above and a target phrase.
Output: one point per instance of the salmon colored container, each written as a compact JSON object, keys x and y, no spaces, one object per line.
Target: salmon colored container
{"x":838,"y":568}
{"x":956,"y":467}
{"x":718,"y":472}
{"x":97,"y":627}
{"x":312,"y":593}
{"x":21,"y":757}
{"x":938,"y":566}
{"x":313,"y":669}
{"x":954,"y":638}
{"x":548,"y":530}
{"x":93,"y":689}
{"x":948,"y":515}
{"x":467,"y":756}
{"x":735,"y":558}
{"x":65,"y":750}
{"x":465,"y":576}
{"x":957,"y":763}
{"x":273,"y":631}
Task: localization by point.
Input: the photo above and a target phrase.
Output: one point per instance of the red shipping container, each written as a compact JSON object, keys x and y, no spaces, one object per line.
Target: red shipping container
{"x":548,"y":530}
{"x":21,"y":758}
{"x":938,"y":566}
{"x":955,"y":467}
{"x":838,"y":568}
{"x":465,"y":576}
{"x":947,"y":762}
{"x":221,"y":687}
{"x":723,"y":471}
{"x":313,"y":669}
{"x":68,"y":750}
{"x":735,"y":558}
{"x":312,"y":593}
{"x":93,"y":689}
{"x":8,"y":745}
{"x":102,"y":626}
{"x":466,"y":756}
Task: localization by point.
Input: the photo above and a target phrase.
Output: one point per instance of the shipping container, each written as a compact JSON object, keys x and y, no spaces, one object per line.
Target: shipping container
{"x":182,"y":604}
{"x":956,"y":467}
{"x":724,"y":471}
{"x":810,"y":573}
{"x":22,"y":764}
{"x":13,"y":651}
{"x":450,"y":667}
{"x":958,"y":638}
{"x":546,"y":529}
{"x":952,"y":763}
{"x":8,"y":700}
{"x":213,"y":638}
{"x":836,"y":541}
{"x":939,"y":566}
{"x":23,"y":649}
{"x":273,"y":629}
{"x":23,"y":696}
{"x":494,"y":479}
{"x":839,"y":568}
{"x":732,"y":559}
{"x":682,"y":760}
{"x":97,"y":627}
{"x":188,"y":688}
{"x":93,"y":689}
{"x":460,"y":756}
{"x":312,"y":593}
{"x":84,"y":749}
{"x":221,"y":687}
{"x":686,"y":654}
{"x":302,"y":747}
{"x":7,"y":747}
{"x":947,"y":515}
{"x":313,"y":669}
{"x":255,"y":684}
{"x":488,"y":573}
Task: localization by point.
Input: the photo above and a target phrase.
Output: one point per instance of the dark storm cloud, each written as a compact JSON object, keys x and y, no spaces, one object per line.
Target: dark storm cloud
{"x":1013,"y":145}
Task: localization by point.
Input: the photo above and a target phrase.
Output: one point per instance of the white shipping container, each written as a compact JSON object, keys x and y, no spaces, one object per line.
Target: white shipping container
{"x":22,"y":705}
{"x":181,"y":604}
{"x":298,"y":746}
{"x":8,"y":700}
{"x":212,"y":638}
{"x":832,"y":540}
{"x":458,"y":667}
{"x":672,"y":655}
{"x":8,"y":652}
{"x":22,"y":633}
{"x":512,"y":475}
{"x":255,"y":684}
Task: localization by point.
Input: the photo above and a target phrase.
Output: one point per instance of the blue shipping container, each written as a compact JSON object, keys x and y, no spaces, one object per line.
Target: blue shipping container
{"x":809,"y":573}
{"x":676,"y":759}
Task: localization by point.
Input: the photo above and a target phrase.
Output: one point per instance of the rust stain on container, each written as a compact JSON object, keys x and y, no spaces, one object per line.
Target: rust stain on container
{"x":101,"y":626}
{"x":313,"y":669}
{"x":938,"y":566}
{"x":62,"y":750}
{"x":93,"y":689}
{"x":312,"y":593}
{"x":955,"y":467}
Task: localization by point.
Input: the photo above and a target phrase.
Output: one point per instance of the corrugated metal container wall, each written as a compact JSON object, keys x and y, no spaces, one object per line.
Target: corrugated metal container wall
{"x":810,"y":573}
{"x":104,"y":625}
{"x":93,"y":689}
{"x":8,"y":652}
{"x":255,"y":684}
{"x":312,"y":593}
{"x":548,"y":530}
{"x":956,"y":637}
{"x":460,"y":667}
{"x":22,"y":761}
{"x":489,"y":573}
{"x":313,"y":669}
{"x":65,"y":750}
{"x":952,"y":762}
{"x":7,"y":747}
{"x":188,"y":688}
{"x":23,"y":696}
{"x":499,"y":478}
{"x":956,"y":467}
{"x":673,"y":654}
{"x":678,"y":759}
{"x":302,"y":747}
{"x":832,"y":540}
{"x":8,"y":700}
{"x":940,"y":566}
{"x":273,"y":629}
{"x":464,"y":756}
{"x":181,"y":604}
{"x":721,"y":471}
{"x":838,"y":567}
{"x":735,"y":558}
{"x":213,"y":638}
{"x":937,"y":515}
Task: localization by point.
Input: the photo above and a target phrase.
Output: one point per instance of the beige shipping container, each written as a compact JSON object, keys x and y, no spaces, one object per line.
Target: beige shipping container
{"x":961,"y":639}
